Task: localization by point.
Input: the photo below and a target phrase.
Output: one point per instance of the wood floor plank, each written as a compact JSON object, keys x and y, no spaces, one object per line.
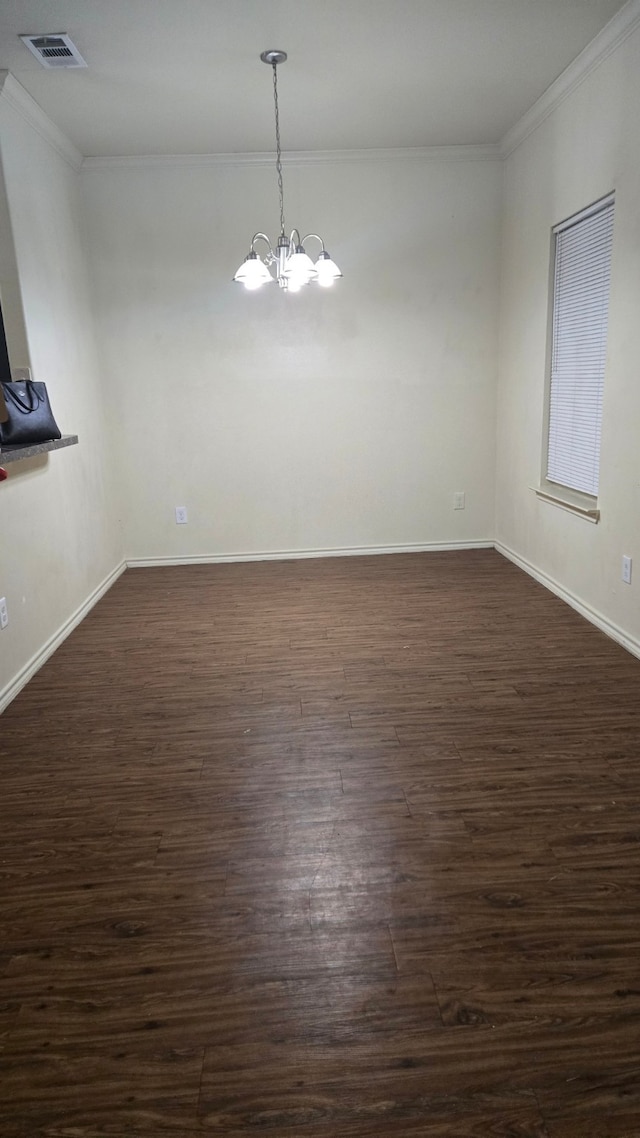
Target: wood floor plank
{"x":337,"y":848}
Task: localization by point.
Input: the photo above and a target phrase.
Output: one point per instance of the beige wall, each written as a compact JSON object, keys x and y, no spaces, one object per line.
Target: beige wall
{"x":588,"y":146}
{"x":326,"y":420}
{"x":59,"y":528}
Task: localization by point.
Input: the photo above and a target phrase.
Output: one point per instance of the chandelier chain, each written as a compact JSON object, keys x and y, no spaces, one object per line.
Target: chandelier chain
{"x":278,"y":150}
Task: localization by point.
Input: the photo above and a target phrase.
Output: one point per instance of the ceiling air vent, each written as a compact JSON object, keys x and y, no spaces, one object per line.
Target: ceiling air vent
{"x":55,"y":50}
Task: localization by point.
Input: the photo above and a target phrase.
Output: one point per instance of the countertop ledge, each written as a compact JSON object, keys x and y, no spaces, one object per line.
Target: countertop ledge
{"x":14,"y":454}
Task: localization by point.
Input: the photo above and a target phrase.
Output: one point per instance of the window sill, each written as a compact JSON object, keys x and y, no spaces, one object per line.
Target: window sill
{"x":571,"y":500}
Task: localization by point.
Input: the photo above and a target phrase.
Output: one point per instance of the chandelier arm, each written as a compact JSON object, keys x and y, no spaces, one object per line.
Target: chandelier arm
{"x":317,"y":237}
{"x":278,"y":147}
{"x":262,"y":237}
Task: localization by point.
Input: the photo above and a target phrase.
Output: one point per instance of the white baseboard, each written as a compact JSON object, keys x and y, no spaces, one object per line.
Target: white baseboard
{"x":592,"y":615}
{"x":297,"y":554}
{"x":8,"y":693}
{"x":16,"y":685}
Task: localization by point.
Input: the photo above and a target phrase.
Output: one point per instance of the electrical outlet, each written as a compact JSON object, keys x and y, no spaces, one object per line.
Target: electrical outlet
{"x":4,"y":613}
{"x":626,"y":570}
{"x":181,"y":516}
{"x":458,"y":500}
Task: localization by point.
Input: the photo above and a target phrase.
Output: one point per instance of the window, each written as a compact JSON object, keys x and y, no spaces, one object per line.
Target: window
{"x":581,"y":278}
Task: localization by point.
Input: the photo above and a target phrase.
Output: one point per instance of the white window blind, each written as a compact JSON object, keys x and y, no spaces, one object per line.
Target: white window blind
{"x":579,"y":345}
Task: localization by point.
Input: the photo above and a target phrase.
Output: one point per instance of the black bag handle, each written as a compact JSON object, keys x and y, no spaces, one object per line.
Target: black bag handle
{"x":34,"y":396}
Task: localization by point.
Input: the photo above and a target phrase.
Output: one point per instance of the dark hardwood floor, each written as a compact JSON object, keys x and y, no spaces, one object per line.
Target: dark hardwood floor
{"x":323,"y":849}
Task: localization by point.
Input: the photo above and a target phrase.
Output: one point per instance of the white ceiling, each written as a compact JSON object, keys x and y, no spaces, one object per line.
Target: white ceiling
{"x":184,"y":76}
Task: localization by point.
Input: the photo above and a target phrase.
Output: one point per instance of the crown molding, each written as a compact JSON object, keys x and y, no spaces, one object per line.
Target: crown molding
{"x":14,"y":94}
{"x":488,"y":153}
{"x":623,"y":24}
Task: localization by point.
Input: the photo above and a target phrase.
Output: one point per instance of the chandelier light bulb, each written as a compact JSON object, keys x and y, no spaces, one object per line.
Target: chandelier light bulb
{"x":253,"y":273}
{"x":327,"y":270}
{"x":300,"y":267}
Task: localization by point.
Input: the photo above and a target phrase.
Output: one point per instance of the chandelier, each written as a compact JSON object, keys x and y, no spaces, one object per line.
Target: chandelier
{"x":290,"y":261}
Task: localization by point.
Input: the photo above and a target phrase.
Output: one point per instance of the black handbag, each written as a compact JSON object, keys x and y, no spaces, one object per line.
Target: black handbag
{"x":30,"y":416}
